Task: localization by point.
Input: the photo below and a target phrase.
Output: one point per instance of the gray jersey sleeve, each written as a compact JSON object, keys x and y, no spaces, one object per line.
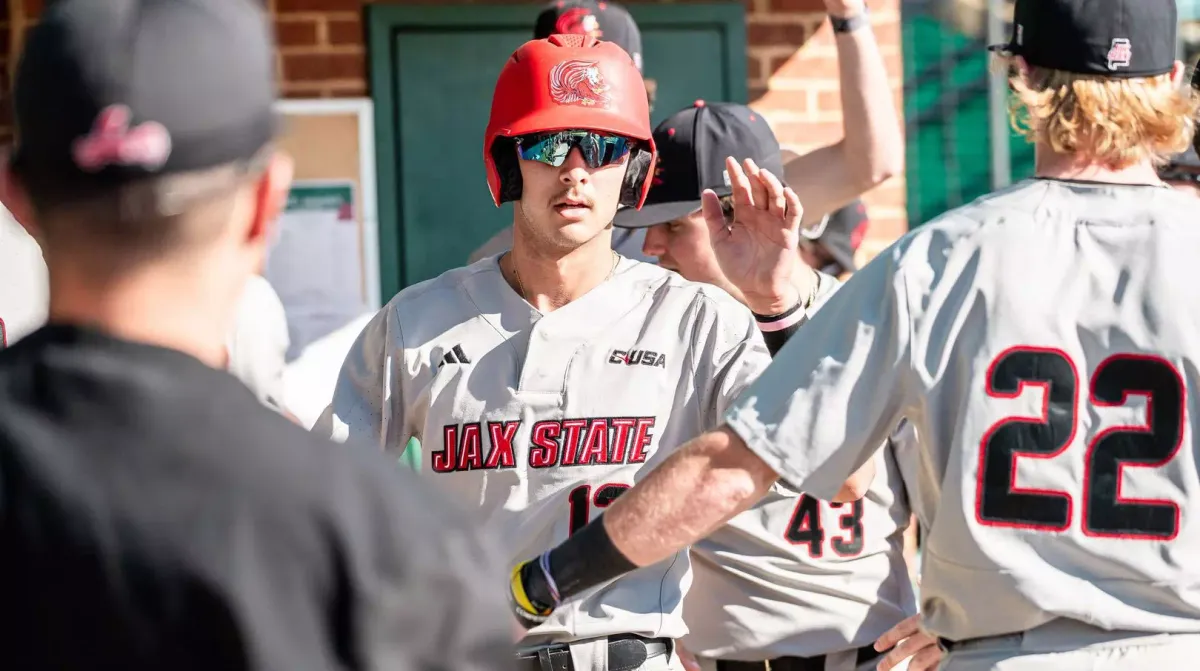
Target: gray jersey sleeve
{"x":369,"y":400}
{"x":912,"y":464}
{"x":259,"y":341}
{"x":733,"y":357}
{"x":838,"y":388}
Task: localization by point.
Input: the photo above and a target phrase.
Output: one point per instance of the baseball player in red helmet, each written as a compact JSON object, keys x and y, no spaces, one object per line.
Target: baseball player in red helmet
{"x":603,"y":20}
{"x":544,"y":381}
{"x":1043,"y":342}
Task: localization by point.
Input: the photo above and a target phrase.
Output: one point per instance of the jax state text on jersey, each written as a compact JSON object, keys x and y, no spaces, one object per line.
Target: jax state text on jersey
{"x":557,"y":442}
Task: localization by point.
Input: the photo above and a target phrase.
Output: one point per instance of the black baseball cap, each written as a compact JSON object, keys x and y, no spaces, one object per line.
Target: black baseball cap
{"x":692,"y":147}
{"x":110,"y":92}
{"x":841,"y":234}
{"x":1113,"y":38}
{"x":606,"y":21}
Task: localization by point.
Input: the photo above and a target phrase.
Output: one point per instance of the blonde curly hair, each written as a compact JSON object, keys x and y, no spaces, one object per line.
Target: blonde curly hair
{"x":1115,"y":122}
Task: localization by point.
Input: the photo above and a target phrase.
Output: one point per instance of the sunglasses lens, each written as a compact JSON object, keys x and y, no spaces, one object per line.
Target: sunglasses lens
{"x":548,"y":148}
{"x":552,"y":149}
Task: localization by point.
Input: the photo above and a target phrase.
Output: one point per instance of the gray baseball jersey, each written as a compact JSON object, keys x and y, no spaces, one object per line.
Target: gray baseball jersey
{"x":625,"y":241}
{"x":258,"y":343}
{"x":1044,"y":342}
{"x":795,"y":576}
{"x":24,"y":285}
{"x":254,"y":343}
{"x":540,"y":421}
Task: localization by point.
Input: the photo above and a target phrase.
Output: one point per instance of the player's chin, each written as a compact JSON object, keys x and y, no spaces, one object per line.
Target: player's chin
{"x":579,"y":231}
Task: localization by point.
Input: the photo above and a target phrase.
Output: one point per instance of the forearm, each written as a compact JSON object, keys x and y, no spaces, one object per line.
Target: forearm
{"x":697,"y":489}
{"x":706,"y":482}
{"x":873,"y":144}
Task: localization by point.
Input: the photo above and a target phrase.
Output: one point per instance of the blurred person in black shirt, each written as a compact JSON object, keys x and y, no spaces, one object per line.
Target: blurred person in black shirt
{"x":153,"y":515}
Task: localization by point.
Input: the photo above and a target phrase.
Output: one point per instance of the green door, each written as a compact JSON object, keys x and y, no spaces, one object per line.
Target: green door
{"x":433,"y":69}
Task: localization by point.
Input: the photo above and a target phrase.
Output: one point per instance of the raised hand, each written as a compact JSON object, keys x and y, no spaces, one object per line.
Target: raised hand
{"x":758,"y":248}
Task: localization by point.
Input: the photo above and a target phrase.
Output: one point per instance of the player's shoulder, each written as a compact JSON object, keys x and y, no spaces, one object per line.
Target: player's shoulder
{"x":969,"y":226}
{"x":666,"y":287}
{"x":436,"y":289}
{"x":430,"y":307}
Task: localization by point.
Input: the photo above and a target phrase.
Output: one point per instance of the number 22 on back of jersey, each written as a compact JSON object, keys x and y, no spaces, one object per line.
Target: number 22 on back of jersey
{"x":1097,"y":506}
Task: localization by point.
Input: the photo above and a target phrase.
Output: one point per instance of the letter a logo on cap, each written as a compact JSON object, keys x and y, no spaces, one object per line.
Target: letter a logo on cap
{"x":1120,"y":54}
{"x":112,"y":142}
{"x":577,"y":82}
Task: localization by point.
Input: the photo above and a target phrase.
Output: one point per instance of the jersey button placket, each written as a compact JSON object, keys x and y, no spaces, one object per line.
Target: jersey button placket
{"x":544,"y":367}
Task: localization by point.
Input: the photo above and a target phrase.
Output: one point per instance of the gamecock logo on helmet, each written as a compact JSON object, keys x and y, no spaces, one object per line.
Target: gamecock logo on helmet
{"x":578,"y":21}
{"x":579,"y":83}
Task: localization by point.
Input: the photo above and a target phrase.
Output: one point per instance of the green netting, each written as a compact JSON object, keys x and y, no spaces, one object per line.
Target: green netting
{"x":949,"y":150}
{"x":946,"y":102}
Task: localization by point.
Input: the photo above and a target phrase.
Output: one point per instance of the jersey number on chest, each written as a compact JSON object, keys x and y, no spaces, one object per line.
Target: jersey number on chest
{"x":583,"y":499}
{"x":1150,"y":444}
{"x":805,"y":528}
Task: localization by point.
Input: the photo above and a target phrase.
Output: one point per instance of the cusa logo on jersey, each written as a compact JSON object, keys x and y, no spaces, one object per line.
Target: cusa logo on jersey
{"x":563,"y":442}
{"x":634,"y":357}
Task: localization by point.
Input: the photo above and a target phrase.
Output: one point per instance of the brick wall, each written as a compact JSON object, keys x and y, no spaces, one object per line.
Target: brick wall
{"x":792,"y":71}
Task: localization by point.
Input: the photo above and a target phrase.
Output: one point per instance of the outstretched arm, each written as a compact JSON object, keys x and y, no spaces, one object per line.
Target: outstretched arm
{"x":698,"y":488}
{"x":703,"y":484}
{"x":872,"y":149}
{"x":816,"y":415}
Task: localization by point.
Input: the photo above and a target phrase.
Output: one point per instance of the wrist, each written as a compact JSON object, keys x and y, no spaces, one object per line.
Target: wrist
{"x":850,"y":21}
{"x":782,"y":313}
{"x":525,"y":584}
{"x":774,"y":304}
{"x":845,"y":10}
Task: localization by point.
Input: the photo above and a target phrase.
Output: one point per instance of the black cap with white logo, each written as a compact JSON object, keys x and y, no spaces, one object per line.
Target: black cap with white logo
{"x":1114,"y":38}
{"x":112,"y":91}
{"x":692,"y":147}
{"x":606,"y":21}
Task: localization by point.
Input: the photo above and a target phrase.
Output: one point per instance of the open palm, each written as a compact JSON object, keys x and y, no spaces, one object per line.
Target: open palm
{"x":757,"y":248}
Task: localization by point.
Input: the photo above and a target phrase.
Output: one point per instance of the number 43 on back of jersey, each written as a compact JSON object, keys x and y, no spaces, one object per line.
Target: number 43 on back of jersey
{"x":805,"y":528}
{"x":1150,"y":444}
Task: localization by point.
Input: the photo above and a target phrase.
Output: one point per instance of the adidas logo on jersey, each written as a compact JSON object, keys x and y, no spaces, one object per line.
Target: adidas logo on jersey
{"x":634,"y":357}
{"x":455,"y":355}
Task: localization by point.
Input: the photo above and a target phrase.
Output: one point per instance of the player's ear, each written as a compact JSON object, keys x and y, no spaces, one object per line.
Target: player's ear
{"x":1177,"y":71}
{"x":1022,"y":67}
{"x":270,"y":195}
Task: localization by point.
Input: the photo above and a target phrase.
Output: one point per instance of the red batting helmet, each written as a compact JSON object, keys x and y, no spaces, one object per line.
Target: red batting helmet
{"x":567,"y":82}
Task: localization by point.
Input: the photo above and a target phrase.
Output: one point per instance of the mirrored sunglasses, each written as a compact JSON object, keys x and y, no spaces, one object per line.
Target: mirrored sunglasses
{"x":598,"y":149}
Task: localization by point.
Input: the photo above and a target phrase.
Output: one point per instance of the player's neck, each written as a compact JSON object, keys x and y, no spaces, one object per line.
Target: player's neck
{"x":1074,"y":167}
{"x":550,"y":279}
{"x":158,"y":306}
